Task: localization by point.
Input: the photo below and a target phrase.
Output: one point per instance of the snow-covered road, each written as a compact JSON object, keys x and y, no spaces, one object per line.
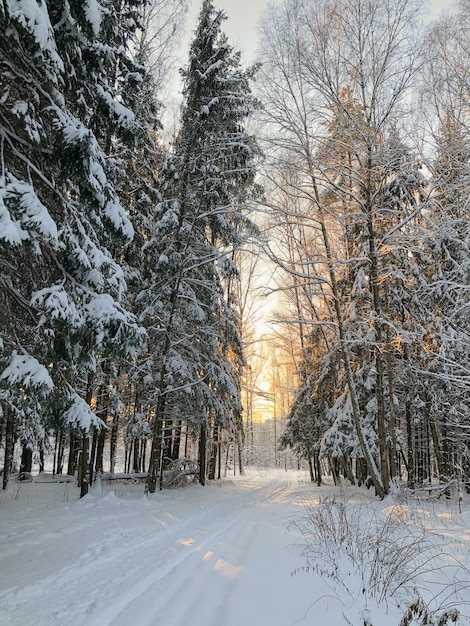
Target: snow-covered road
{"x":220,"y":555}
{"x":216,"y":555}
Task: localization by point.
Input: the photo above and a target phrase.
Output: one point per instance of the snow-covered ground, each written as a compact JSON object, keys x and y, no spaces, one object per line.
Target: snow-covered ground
{"x":220,"y":555}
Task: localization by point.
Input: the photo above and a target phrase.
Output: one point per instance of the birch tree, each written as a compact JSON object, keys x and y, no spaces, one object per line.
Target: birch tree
{"x":335,"y":77}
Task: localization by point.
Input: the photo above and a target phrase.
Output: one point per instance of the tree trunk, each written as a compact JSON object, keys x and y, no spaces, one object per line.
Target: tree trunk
{"x":136,"y":456}
{"x":113,"y":443}
{"x":420,"y":452}
{"x":92,"y":459}
{"x":317,"y":467}
{"x":219,"y":462}
{"x":9,"y":448}
{"x":102,"y":411}
{"x":26,"y":464}
{"x":377,"y":313}
{"x":310,"y":465}
{"x":202,"y":455}
{"x":371,"y":464}
{"x":157,"y":427}
{"x":155,"y":461}
{"x":410,"y":444}
{"x":100,"y":451}
{"x":143,"y":452}
{"x":73,"y":453}
{"x":84,"y":466}
{"x":393,"y":460}
{"x":175,"y":452}
{"x":240,"y":437}
{"x":60,"y":453}
{"x":167,"y":443}
{"x":212,"y":464}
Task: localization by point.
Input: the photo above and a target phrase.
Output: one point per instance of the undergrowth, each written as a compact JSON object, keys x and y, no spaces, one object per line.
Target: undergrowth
{"x":385,"y":554}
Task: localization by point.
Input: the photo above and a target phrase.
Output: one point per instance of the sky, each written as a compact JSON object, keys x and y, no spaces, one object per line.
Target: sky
{"x":241,"y":28}
{"x":243,"y":17}
{"x":241,"y":25}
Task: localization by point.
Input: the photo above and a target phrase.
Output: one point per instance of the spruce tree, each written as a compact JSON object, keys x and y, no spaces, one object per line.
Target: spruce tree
{"x":61,"y":215}
{"x":208,"y":182}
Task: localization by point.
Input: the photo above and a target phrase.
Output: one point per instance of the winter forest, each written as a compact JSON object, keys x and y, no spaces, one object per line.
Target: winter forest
{"x":282,"y":280}
{"x":247,"y":277}
{"x":331,"y":178}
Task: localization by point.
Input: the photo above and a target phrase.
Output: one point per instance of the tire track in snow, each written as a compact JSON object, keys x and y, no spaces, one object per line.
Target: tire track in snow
{"x":132,"y":565}
{"x":102,"y":568}
{"x":185,"y":591}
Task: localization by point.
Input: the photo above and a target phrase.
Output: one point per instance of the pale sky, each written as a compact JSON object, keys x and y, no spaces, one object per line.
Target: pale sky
{"x":243,"y":17}
{"x":240,"y":27}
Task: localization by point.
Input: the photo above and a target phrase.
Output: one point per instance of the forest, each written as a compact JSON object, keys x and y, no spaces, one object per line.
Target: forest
{"x":331,"y":178}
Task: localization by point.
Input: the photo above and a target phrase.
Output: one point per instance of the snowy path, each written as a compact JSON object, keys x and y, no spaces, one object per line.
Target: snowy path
{"x":219,"y":555}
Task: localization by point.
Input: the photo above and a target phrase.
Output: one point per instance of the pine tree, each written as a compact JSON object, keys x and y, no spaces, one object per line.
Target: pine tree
{"x":446,"y":296}
{"x":61,"y":285}
{"x":207,"y":184}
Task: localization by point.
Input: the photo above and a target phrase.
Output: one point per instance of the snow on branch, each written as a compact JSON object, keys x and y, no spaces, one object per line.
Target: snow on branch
{"x":10,"y":230}
{"x":22,"y":211}
{"x":26,"y":371}
{"x":92,"y":10}
{"x":79,"y":138}
{"x":125,"y":117}
{"x":34,"y":17}
{"x":81,"y":416}
{"x":112,"y":322}
{"x":58,"y":304}
{"x":117,"y":215}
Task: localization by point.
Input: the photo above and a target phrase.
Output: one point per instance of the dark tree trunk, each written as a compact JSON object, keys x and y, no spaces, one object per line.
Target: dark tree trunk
{"x":94,"y":445}
{"x":410,"y":445}
{"x":466,"y":470}
{"x":175,"y":452}
{"x":113,"y":442}
{"x":136,"y":456}
{"x":9,"y":448}
{"x":241,"y":468}
{"x":167,"y":444}
{"x":60,"y":453}
{"x":73,"y":453}
{"x":361,"y":471}
{"x":143,"y":453}
{"x":202,"y":455}
{"x":100,"y":451}
{"x":420,"y":452}
{"x":212,"y":464}
{"x":446,"y":451}
{"x":347,"y":469}
{"x":56,"y":445}
{"x":310,"y":465}
{"x":26,"y":464}
{"x":155,"y":450}
{"x":219,"y":462}
{"x":84,"y":479}
{"x":317,"y":467}
{"x":333,"y":461}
